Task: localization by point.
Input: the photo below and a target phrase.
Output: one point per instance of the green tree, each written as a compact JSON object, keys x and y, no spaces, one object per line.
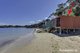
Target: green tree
{"x":60,"y":9}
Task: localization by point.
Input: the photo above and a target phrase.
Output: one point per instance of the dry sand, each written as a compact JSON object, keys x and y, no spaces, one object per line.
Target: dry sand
{"x":49,"y":43}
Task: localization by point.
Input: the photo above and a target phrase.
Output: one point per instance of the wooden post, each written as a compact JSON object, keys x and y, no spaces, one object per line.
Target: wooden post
{"x":73,"y":30}
{"x":60,"y":31}
{"x":67,"y":31}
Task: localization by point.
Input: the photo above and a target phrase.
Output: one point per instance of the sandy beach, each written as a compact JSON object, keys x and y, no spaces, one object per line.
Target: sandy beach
{"x":48,"y":43}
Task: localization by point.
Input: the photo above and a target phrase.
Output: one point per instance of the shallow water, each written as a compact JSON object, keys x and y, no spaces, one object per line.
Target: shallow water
{"x":9,"y":35}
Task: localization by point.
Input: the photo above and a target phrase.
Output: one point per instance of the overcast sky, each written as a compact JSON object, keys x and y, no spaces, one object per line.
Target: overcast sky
{"x":24,"y":12}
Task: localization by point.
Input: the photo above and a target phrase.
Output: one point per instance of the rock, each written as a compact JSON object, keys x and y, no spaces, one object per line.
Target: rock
{"x":38,"y":30}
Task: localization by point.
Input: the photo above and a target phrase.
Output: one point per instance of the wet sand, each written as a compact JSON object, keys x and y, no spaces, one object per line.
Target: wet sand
{"x":46,"y":43}
{"x":19,"y":42}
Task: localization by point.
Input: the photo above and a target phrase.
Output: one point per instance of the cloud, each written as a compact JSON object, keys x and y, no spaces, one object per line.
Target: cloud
{"x":32,"y":22}
{"x":46,"y":18}
{"x":39,"y":20}
{"x":3,"y":24}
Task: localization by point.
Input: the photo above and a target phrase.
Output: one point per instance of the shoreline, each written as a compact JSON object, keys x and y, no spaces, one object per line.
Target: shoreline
{"x":22,"y":40}
{"x":47,"y":43}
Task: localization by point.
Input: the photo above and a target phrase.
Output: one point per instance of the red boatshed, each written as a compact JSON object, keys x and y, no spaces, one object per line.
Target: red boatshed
{"x":69,"y":22}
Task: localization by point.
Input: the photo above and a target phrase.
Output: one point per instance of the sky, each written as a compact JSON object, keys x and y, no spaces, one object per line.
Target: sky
{"x":24,"y":12}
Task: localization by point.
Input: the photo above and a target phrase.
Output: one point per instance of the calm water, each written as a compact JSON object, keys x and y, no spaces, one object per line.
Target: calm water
{"x":7,"y":35}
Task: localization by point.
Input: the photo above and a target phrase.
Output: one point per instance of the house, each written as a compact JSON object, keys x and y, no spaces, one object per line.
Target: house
{"x":67,"y":17}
